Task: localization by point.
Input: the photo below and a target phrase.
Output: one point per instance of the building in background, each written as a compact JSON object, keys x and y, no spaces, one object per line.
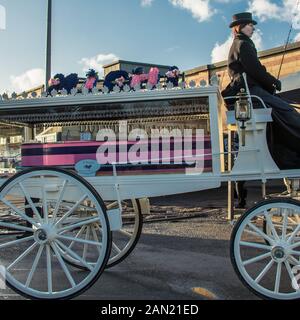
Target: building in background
{"x":130,"y":65}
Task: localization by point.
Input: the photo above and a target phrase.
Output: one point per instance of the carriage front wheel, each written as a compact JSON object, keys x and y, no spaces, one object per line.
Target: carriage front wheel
{"x":36,"y":226}
{"x":265,"y":249}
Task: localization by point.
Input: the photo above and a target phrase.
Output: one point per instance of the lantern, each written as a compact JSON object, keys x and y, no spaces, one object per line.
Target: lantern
{"x":243,"y":112}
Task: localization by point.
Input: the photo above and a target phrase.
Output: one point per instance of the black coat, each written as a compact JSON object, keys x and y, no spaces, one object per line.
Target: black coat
{"x":283,"y":134}
{"x":243,"y":58}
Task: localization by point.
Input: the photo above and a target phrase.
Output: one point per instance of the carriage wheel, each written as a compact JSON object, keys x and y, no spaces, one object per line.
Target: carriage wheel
{"x":123,"y":240}
{"x":33,"y":263}
{"x":268,"y":264}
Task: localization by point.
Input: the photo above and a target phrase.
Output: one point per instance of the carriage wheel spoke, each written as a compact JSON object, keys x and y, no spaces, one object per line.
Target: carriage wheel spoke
{"x":297,"y":218}
{"x":278,"y":277}
{"x":292,"y":220}
{"x":294,"y":260}
{"x":79,"y":224}
{"x":262,"y":234}
{"x":93,"y":243}
{"x":22,"y":256}
{"x":126,"y":233}
{"x":289,"y":227}
{"x":29,"y":200}
{"x":256,"y":259}
{"x":294,"y":252}
{"x":66,"y":215}
{"x":290,"y":272}
{"x":85,"y":246}
{"x":49,"y":268}
{"x":74,"y":255}
{"x":12,"y":243}
{"x":295,"y":245}
{"x":21,"y":214}
{"x":14,"y":227}
{"x":294,"y":233}
{"x":63,"y":265}
{"x":116,"y":248}
{"x":284,"y":225}
{"x":80,"y":232}
{"x":62,"y":192}
{"x":255,"y":245}
{"x":250,"y":232}
{"x":34,"y":266}
{"x":96,"y":238}
{"x":45,"y":205}
{"x":264,"y":271}
{"x":271,"y":225}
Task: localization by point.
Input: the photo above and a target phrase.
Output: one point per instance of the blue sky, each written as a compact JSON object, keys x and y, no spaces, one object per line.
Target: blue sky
{"x":89,"y":33}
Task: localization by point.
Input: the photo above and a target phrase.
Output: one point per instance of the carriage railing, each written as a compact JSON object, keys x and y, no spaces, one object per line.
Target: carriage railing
{"x":249,"y":96}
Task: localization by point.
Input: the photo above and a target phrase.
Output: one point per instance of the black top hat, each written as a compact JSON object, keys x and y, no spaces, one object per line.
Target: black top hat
{"x":243,"y":17}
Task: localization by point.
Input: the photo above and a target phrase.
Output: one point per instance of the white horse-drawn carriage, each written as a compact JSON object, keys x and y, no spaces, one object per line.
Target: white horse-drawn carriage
{"x":55,"y":220}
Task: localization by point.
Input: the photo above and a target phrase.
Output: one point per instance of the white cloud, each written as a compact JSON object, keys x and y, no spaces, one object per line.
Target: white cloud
{"x":264,"y":9}
{"x":286,"y":11}
{"x":97,"y":62}
{"x":200,"y":9}
{"x":28,"y":80}
{"x":146,"y":3}
{"x":220,"y":51}
{"x":258,"y":40}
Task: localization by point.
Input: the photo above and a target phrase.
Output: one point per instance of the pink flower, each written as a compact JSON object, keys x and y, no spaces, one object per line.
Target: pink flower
{"x":89,"y":84}
{"x":53,"y":82}
{"x":138,"y":79}
{"x":153,"y":76}
{"x":120,"y":81}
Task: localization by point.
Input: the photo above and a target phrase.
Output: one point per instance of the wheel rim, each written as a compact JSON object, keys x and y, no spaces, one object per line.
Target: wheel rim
{"x":123,"y":241}
{"x":34,"y":265}
{"x":265,"y":261}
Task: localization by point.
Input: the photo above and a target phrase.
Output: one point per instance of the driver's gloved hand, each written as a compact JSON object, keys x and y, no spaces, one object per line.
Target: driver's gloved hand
{"x":277,"y":85}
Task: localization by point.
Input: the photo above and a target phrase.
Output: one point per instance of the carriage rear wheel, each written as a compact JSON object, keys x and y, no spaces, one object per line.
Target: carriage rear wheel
{"x":265,"y":249}
{"x":32,"y":262}
{"x":123,"y":241}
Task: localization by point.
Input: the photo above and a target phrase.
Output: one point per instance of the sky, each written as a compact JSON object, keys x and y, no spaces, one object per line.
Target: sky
{"x":91,"y":33}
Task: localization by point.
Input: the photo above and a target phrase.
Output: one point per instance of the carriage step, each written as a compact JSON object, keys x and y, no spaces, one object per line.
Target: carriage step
{"x":115,"y":219}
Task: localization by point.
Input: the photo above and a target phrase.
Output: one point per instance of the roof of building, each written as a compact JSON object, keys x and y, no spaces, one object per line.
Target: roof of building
{"x":134,"y":63}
